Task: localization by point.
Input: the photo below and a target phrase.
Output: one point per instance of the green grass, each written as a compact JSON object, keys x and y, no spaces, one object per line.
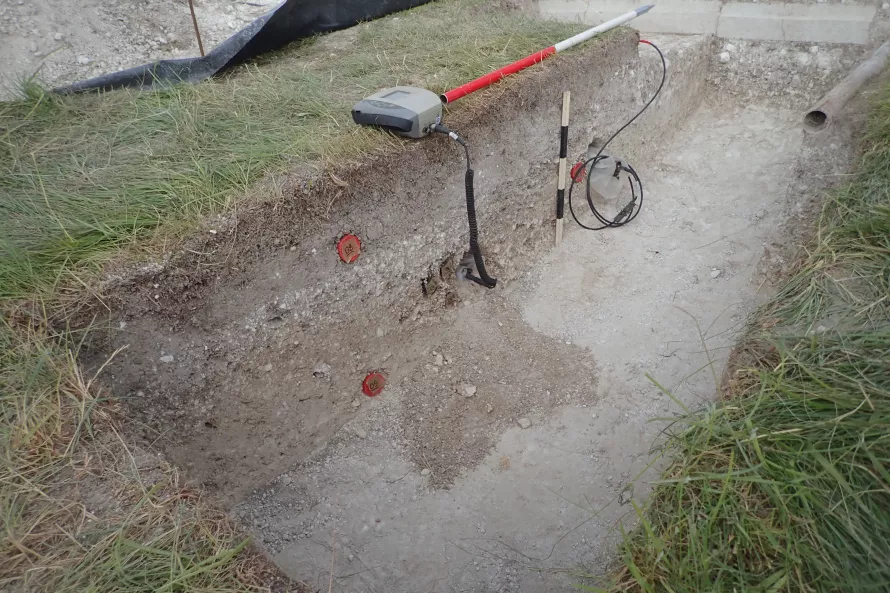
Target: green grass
{"x":785,"y":485}
{"x":82,"y":511}
{"x":91,"y":178}
{"x":82,"y":177}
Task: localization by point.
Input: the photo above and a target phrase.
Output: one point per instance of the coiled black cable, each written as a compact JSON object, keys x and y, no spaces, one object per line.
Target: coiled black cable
{"x":630,"y":211}
{"x":483,"y":279}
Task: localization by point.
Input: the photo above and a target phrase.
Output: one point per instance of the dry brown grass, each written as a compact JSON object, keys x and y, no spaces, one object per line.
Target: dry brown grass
{"x":85,"y":511}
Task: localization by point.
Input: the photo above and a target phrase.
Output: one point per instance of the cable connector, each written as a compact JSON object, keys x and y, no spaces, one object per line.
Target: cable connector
{"x":442,"y":129}
{"x":625,"y":212}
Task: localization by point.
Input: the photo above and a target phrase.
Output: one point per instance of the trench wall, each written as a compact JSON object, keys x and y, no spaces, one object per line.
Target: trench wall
{"x":246,"y":352}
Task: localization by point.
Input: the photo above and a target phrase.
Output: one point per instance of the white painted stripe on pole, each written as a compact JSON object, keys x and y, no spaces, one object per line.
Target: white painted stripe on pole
{"x":594,"y":31}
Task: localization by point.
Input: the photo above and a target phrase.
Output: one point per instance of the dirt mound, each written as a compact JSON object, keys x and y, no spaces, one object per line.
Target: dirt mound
{"x":486,"y":372}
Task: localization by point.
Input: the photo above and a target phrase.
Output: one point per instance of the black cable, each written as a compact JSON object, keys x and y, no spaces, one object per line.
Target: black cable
{"x":483,"y":279}
{"x":632,"y":209}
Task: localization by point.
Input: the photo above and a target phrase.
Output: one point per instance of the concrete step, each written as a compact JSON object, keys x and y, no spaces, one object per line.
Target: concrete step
{"x":785,"y":21}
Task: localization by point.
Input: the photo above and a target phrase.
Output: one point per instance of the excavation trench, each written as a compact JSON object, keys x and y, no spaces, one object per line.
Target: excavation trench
{"x":244,"y":358}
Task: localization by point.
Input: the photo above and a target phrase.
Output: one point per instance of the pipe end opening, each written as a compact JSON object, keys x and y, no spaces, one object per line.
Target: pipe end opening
{"x":816,"y":119}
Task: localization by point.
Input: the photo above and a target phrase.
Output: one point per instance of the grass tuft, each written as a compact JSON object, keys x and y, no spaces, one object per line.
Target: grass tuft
{"x":81,"y":511}
{"x":785,"y":485}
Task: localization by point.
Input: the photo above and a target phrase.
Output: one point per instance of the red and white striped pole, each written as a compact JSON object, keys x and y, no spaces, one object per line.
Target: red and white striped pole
{"x":492,"y":77}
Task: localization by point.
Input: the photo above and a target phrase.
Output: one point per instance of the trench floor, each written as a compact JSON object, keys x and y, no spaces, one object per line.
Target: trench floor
{"x":665,"y":295}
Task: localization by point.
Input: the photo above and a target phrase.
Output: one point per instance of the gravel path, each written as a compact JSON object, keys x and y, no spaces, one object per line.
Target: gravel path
{"x":64,"y":41}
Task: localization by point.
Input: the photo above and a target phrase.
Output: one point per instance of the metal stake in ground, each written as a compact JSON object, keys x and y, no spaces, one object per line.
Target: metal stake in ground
{"x":373,"y":384}
{"x":195,"y":23}
{"x":349,"y":247}
{"x":561,"y":175}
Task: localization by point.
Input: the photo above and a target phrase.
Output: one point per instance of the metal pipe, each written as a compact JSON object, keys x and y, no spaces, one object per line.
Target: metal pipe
{"x":492,"y":77}
{"x":820,"y":115}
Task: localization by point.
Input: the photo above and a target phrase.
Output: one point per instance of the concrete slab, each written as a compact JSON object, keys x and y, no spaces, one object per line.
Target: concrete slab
{"x":817,"y":23}
{"x":688,"y":17}
{"x":823,"y":23}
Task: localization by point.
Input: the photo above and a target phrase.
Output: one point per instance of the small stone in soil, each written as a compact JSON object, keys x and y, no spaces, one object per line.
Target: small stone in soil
{"x":524,"y":422}
{"x":167,"y":359}
{"x":322,"y":371}
{"x":468,"y":390}
{"x":715,"y":273}
{"x":440,"y":360}
{"x":268,"y":367}
{"x":356,"y":403}
{"x":425,"y":472}
{"x":361,"y":433}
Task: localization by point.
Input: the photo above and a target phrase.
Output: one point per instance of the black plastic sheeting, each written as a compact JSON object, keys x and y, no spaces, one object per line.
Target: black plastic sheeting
{"x":292,"y":20}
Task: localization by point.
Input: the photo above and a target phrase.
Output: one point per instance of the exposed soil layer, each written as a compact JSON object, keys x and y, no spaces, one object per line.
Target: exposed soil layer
{"x":260,"y":329}
{"x":667,"y":296}
{"x":509,"y":416}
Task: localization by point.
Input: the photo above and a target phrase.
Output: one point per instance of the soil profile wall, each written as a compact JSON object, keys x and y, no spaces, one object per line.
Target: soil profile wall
{"x":246,"y":352}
